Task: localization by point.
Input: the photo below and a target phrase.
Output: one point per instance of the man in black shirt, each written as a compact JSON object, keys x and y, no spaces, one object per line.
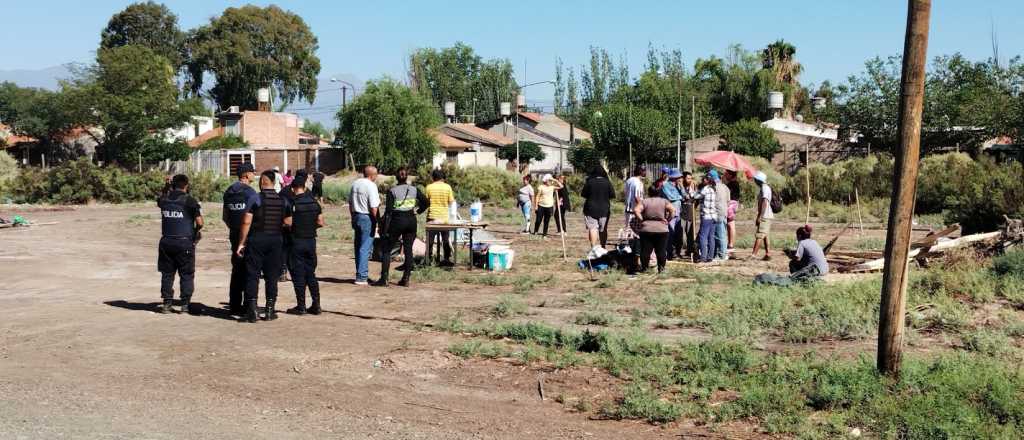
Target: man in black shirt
{"x":180,"y":222}
{"x":307,"y":217}
{"x":238,"y":198}
{"x":262,"y":246}
{"x":598,"y":193}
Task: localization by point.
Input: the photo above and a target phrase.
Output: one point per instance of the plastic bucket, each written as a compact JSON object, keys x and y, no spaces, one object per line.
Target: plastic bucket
{"x":500,"y":259}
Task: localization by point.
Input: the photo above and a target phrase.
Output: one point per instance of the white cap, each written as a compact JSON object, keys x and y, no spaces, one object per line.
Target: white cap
{"x":760,"y":176}
{"x":546,"y":178}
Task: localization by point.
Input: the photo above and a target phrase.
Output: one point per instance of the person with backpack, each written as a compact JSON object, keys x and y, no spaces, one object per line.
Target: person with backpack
{"x":765,"y":213}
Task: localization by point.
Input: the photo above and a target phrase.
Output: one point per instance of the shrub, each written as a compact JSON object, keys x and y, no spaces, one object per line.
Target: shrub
{"x":748,"y":137}
{"x":487,"y":184}
{"x":209,"y":187}
{"x":8,"y":168}
{"x":1010,"y":263}
{"x":871,"y":176}
{"x":32,"y":185}
{"x":985,"y":193}
{"x":940,"y":177}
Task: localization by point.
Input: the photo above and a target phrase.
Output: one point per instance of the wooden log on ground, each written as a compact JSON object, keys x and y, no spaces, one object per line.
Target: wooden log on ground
{"x":878,"y":264}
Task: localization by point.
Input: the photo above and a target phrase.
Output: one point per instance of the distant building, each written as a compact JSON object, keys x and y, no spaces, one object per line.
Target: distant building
{"x":274,"y":140}
{"x":196,"y":126}
{"x":76,"y":142}
{"x":554,"y":135}
{"x":469,"y":145}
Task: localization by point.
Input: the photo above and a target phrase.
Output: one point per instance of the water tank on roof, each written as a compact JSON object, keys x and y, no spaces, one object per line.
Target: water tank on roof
{"x":775,"y":100}
{"x":449,"y":108}
{"x":506,"y":109}
{"x":520,"y":101}
{"x":263,"y":95}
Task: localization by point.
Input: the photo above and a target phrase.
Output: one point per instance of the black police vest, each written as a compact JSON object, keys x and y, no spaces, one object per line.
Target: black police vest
{"x":235,"y":205}
{"x":175,"y":220}
{"x":270,"y":215}
{"x":304,"y":215}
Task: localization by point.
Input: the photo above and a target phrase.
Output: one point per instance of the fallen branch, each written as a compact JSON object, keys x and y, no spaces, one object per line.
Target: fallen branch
{"x":436,"y":407}
{"x":878,"y":264}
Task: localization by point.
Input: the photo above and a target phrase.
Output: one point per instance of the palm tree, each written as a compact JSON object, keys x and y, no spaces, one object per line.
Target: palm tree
{"x":780,"y":58}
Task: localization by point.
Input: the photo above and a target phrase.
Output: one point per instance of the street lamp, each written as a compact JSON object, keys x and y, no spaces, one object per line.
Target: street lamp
{"x":520,"y":104}
{"x":345,"y":85}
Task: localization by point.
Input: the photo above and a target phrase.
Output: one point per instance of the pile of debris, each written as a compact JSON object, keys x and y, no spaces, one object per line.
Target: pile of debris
{"x":931,"y":246}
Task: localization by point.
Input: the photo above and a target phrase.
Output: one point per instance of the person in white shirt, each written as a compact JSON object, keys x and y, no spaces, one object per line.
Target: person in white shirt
{"x":363,"y":202}
{"x":763,"y":221}
{"x":634,"y":193}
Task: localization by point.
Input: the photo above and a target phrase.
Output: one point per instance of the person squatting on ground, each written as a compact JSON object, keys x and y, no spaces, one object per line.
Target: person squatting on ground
{"x":654,"y":213}
{"x":440,"y":196}
{"x":363,"y":201}
{"x":307,"y":217}
{"x":261,"y":245}
{"x":597,"y":194}
{"x":403,"y":203}
{"x":708,"y":219}
{"x":670,"y":191}
{"x":763,"y":221}
{"x":722,"y":218}
{"x":808,"y":261}
{"x":524,"y":201}
{"x":181,"y":219}
{"x":545,"y":203}
{"x":237,"y":199}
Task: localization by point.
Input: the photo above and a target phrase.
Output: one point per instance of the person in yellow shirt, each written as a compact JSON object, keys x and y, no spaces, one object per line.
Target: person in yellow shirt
{"x":545,"y":203}
{"x":440,"y":196}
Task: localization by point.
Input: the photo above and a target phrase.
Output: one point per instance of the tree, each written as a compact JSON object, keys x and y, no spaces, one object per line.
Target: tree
{"x":250,"y":47}
{"x":147,"y":24}
{"x":458,"y":74}
{"x":316,"y":128}
{"x":226,"y":142}
{"x":132,"y":95}
{"x":617,"y":127}
{"x":388,"y":126}
{"x":36,"y":113}
{"x":749,"y":138}
{"x":528,"y":152}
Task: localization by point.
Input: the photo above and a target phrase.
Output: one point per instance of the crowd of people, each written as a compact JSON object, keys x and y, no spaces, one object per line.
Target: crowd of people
{"x":273,"y":231}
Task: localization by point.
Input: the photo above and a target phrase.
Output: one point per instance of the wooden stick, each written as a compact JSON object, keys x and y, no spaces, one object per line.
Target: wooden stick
{"x":807,"y":167}
{"x":860,"y":218}
{"x":828,"y":246}
{"x":558,"y":223}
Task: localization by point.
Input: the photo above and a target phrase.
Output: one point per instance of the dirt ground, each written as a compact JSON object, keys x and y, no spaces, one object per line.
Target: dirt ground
{"x":84,"y":355}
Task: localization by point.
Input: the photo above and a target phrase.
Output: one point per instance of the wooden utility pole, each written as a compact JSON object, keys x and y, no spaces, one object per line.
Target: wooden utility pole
{"x":901,"y":210}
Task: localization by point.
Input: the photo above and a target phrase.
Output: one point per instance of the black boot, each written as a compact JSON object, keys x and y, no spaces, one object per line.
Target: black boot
{"x":382,"y":282}
{"x":271,"y":313}
{"x":314,"y":307}
{"x":404,"y":282}
{"x":300,"y":305}
{"x":185,"y":305}
{"x":250,"y":312}
{"x":166,"y":307}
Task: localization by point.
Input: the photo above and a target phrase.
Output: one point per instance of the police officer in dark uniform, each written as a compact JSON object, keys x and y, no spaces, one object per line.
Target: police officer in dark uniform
{"x":404,"y":202}
{"x":237,"y":200}
{"x":180,"y":222}
{"x":261,"y":245}
{"x":289,"y":195}
{"x":307,"y":217}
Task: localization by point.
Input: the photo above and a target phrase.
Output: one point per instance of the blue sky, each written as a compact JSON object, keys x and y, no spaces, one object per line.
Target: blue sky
{"x":368,"y":39}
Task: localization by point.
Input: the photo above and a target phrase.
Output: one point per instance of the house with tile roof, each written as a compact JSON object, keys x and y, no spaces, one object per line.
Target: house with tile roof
{"x":554,"y":135}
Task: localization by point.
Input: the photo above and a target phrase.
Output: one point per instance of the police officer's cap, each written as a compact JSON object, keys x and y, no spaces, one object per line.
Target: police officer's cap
{"x":244,"y":168}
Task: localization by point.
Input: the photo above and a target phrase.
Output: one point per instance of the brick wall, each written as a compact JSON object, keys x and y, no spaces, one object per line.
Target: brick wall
{"x":270,"y":129}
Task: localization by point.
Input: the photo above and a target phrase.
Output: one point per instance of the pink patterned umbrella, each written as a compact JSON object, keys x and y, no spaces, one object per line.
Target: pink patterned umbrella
{"x":726,"y":160}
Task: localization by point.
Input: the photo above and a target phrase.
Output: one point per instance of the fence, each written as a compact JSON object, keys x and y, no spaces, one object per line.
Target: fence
{"x":202,"y":160}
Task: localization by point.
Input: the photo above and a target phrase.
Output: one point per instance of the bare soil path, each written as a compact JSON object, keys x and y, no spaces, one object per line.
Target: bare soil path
{"x":83,"y":355}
